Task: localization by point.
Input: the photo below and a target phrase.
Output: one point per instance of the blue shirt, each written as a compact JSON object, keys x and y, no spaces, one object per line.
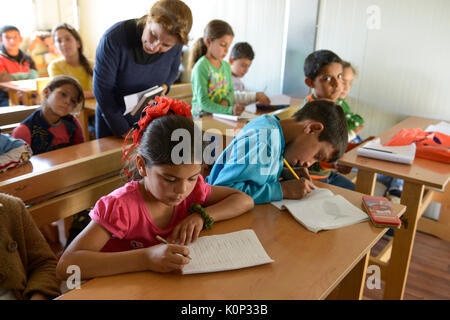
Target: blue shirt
{"x":122,"y":67}
{"x":253,"y":161}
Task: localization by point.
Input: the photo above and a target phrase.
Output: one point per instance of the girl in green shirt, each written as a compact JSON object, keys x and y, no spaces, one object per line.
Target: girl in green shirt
{"x":212,"y":85}
{"x":354,"y":121}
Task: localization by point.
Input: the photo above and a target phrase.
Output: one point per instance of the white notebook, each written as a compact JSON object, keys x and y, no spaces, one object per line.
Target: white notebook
{"x":244,"y":116}
{"x":322,"y":210}
{"x":374,"y":149}
{"x":136,"y":101}
{"x":223,"y":252}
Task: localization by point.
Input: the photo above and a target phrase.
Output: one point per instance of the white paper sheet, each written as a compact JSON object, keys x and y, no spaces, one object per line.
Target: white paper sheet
{"x":244,"y":116}
{"x":323,"y":211}
{"x":442,"y":127}
{"x":223,"y":252}
{"x":279,"y":100}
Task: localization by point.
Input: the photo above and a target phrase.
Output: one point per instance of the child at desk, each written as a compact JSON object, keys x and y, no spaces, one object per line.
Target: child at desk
{"x":73,"y":62}
{"x":14,"y":63}
{"x":241,"y":58}
{"x":53,"y":126}
{"x":253,"y":161}
{"x":323,"y":74}
{"x":212,"y":86}
{"x":122,"y":236}
{"x":27,"y":265}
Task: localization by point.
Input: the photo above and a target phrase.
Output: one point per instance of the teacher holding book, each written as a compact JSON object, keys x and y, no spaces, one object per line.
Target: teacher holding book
{"x":135,"y":55}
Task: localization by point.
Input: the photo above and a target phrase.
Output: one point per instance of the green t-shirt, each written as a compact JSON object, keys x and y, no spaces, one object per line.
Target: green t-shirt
{"x":210,"y":86}
{"x":353,"y":120}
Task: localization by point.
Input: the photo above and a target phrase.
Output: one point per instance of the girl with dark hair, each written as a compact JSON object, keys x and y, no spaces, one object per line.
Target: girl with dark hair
{"x":73,"y":62}
{"x":53,"y":126}
{"x":170,"y":199}
{"x":212,"y":85}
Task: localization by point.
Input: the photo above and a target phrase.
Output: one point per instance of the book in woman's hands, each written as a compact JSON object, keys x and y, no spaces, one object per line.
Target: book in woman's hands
{"x":322,"y":210}
{"x":136,"y":102}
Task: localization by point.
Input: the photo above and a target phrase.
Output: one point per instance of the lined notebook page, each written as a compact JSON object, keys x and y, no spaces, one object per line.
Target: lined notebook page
{"x":223,"y":252}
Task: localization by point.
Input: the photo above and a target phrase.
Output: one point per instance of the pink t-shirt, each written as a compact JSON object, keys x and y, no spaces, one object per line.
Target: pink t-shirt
{"x":124,"y":214}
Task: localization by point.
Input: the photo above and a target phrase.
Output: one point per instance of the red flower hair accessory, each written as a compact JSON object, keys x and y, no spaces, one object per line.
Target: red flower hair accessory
{"x":161,"y":107}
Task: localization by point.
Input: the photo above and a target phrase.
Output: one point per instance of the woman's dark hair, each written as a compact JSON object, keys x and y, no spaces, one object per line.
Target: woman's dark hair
{"x":83,"y":60}
{"x":165,"y":141}
{"x":215,"y":29}
{"x":335,"y":130}
{"x":58,"y":81}
{"x":315,"y":61}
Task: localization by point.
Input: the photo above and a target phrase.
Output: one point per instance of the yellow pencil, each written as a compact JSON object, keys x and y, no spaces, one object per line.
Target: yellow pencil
{"x":289,"y":167}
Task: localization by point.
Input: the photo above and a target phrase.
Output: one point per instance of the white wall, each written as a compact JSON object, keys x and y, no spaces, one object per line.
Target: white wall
{"x":403,"y":66}
{"x":259,"y":22}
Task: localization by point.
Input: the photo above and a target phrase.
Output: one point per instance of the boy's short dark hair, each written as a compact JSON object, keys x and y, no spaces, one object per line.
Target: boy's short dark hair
{"x":6,"y":28}
{"x":315,"y":61}
{"x":335,"y":130}
{"x":242,"y":50}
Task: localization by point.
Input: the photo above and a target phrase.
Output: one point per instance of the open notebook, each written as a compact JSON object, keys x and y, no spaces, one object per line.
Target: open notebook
{"x":322,"y":210}
{"x":223,"y":252}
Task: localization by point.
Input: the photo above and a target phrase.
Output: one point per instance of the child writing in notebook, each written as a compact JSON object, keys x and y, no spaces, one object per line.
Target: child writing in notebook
{"x":212,"y":85}
{"x":170,"y":199}
{"x":253,"y":161}
{"x":73,"y":62}
{"x":241,"y":58}
{"x":53,"y":126}
{"x":323,"y":74}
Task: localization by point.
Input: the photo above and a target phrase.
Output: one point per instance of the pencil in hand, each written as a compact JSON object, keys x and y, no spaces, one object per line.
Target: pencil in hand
{"x":161,"y":239}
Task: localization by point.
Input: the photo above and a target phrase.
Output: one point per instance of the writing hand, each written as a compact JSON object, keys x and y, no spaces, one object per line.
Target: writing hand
{"x":296,"y":189}
{"x":262,"y":99}
{"x":167,"y":257}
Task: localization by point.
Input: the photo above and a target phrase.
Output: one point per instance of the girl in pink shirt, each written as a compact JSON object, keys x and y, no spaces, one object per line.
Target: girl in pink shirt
{"x":53,"y":126}
{"x":170,"y":199}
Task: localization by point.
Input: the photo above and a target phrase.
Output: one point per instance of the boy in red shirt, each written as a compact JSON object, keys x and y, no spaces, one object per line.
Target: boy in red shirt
{"x":14,"y":63}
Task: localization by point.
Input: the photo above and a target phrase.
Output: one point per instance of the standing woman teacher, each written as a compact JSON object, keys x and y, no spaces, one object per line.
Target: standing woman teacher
{"x":134,"y":55}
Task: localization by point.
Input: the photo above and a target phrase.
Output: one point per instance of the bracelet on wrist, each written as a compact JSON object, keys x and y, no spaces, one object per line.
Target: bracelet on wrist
{"x":207,"y":220}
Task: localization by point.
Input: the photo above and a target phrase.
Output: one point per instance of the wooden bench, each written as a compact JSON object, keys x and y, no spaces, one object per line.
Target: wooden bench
{"x":63,"y":182}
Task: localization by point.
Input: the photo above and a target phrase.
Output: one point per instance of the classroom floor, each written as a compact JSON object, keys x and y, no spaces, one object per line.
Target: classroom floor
{"x":429,"y":271}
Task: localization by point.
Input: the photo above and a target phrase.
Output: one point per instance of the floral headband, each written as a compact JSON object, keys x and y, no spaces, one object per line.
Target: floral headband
{"x":161,"y":107}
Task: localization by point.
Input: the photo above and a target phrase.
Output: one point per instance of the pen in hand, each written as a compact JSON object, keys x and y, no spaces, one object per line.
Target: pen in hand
{"x":161,"y":239}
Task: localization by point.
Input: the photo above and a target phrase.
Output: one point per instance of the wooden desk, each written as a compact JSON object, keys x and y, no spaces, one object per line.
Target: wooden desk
{"x":421,"y":174}
{"x":63,"y":182}
{"x":228,"y":129}
{"x":307,"y":265}
{"x":20,"y":89}
{"x":15,"y":114}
